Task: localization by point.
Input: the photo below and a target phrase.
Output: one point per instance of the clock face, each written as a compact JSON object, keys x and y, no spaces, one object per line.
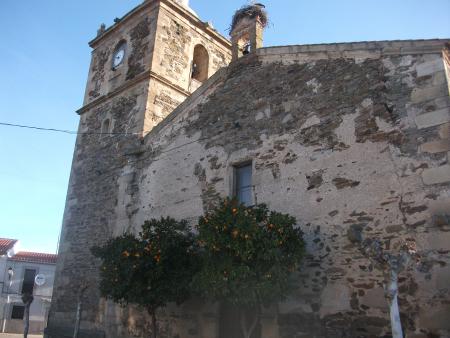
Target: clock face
{"x":118,"y":56}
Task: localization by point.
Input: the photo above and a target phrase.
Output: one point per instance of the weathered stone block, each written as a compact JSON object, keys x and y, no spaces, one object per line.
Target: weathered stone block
{"x":436,"y":175}
{"x":335,"y":298}
{"x":428,"y":93}
{"x":437,"y":319}
{"x":439,"y":207}
{"x":434,"y":118}
{"x":439,"y":79}
{"x":417,"y":335}
{"x":430,"y":67}
{"x":436,"y":240}
{"x":444,"y":131}
{"x":442,"y":277}
{"x":375,"y":298}
{"x":434,"y":147}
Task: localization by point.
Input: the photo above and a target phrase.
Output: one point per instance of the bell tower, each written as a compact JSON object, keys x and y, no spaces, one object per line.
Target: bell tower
{"x":141,"y":69}
{"x":247,"y":29}
{"x":152,"y":47}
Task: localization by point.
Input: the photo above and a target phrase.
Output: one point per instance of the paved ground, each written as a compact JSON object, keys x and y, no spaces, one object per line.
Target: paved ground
{"x":7,"y":335}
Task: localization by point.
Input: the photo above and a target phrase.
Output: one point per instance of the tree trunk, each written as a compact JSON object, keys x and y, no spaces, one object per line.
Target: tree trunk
{"x":81,"y":292}
{"x":77,"y":320}
{"x":27,"y":299}
{"x":152,"y":313}
{"x":248,"y":330}
{"x":27,"y":320}
{"x":392,"y":293}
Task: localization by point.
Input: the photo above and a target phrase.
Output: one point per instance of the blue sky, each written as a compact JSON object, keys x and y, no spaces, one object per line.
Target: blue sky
{"x":45,"y":58}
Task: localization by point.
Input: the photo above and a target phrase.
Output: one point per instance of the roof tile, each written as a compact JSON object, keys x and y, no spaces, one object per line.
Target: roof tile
{"x":6,"y":244}
{"x":35,"y":257}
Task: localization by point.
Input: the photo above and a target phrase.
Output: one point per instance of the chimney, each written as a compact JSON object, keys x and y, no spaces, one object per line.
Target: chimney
{"x":247,"y":29}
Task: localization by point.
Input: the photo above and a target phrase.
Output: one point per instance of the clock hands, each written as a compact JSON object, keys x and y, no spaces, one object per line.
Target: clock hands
{"x":118,"y":57}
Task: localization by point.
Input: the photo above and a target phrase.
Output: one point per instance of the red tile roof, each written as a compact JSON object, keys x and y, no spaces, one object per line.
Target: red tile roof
{"x":34,"y":257}
{"x":6,"y":244}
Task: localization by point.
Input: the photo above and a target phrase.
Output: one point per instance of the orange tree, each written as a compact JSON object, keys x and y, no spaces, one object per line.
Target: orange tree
{"x":151,"y":269}
{"x":248,"y":256}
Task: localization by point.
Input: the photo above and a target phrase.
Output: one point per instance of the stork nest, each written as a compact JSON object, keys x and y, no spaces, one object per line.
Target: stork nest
{"x":252,"y":12}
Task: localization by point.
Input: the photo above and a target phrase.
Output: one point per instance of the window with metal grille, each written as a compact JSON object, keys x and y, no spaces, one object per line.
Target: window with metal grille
{"x":28,"y":281}
{"x":243,"y":184}
{"x":17,"y":312}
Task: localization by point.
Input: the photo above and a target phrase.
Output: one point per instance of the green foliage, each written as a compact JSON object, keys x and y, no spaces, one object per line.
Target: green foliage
{"x":151,"y":269}
{"x":248,"y":254}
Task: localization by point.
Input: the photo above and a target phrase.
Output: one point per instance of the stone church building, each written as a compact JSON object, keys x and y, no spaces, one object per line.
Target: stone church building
{"x":353,"y":139}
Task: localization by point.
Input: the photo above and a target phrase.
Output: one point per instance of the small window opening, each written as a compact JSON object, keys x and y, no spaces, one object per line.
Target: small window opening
{"x":247,"y":49}
{"x":200,"y":64}
{"x":17,"y":312}
{"x":28,"y":281}
{"x":243,"y":45}
{"x":105,"y":127}
{"x":243,"y":184}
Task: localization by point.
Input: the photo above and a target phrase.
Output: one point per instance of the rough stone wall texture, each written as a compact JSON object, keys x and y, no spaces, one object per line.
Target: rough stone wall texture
{"x":348,"y":138}
{"x":162,"y":100}
{"x":92,"y":199}
{"x":176,"y":39}
{"x":102,"y":198}
{"x":138,"y":34}
{"x":171,"y":31}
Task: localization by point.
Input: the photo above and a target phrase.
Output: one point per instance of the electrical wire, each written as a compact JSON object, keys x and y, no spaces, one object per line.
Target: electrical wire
{"x":151,"y":154}
{"x":70,"y":132}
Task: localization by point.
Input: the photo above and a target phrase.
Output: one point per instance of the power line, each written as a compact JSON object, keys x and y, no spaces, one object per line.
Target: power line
{"x":155,"y":156}
{"x":70,"y":132}
{"x":97,"y":133}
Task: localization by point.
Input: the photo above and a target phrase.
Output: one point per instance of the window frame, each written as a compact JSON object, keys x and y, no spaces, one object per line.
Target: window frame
{"x":235,"y":189}
{"x":16,"y":305}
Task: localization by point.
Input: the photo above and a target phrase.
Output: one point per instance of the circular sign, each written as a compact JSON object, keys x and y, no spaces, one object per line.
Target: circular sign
{"x":39,"y":279}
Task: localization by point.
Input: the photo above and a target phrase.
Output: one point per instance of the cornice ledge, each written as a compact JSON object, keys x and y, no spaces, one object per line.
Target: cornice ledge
{"x":130,"y":83}
{"x":141,"y":77}
{"x":394,"y":47}
{"x":94,"y":42}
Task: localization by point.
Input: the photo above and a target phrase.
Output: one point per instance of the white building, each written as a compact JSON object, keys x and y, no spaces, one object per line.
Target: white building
{"x":24,"y":272}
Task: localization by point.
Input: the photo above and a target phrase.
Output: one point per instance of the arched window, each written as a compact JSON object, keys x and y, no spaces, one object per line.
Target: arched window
{"x":105,"y":127}
{"x":200,"y":64}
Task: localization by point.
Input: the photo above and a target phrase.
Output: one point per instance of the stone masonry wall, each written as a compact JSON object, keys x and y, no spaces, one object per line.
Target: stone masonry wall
{"x":91,"y":210}
{"x":103,"y":191}
{"x":175,"y":41}
{"x":349,"y":139}
{"x":138,"y":34}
